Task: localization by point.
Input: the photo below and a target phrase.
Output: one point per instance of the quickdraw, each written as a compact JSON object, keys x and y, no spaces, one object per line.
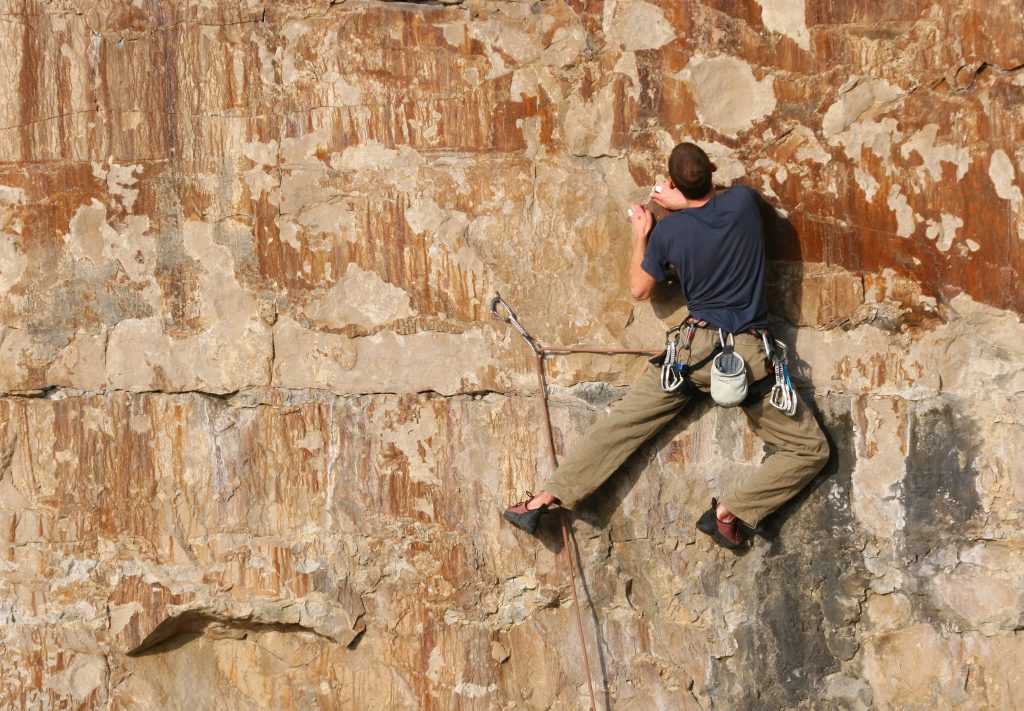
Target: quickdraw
{"x":675,"y":376}
{"x":514,"y":320}
{"x":673,"y":373}
{"x":783,"y":396}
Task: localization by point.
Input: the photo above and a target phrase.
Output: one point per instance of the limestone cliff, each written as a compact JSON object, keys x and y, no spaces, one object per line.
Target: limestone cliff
{"x":257,"y":424}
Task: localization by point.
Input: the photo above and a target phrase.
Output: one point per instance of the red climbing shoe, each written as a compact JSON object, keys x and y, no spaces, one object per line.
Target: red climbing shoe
{"x":526,"y":518}
{"x":726,"y":534}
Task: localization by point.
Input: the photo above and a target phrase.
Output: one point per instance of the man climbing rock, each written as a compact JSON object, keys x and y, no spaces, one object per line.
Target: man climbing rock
{"x":715,"y":243}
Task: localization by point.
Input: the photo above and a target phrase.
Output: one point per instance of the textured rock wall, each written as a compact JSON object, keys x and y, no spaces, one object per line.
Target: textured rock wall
{"x":257,"y":424}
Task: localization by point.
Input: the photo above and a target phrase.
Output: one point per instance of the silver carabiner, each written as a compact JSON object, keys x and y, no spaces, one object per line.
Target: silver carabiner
{"x":781,"y":351}
{"x":512,"y":319}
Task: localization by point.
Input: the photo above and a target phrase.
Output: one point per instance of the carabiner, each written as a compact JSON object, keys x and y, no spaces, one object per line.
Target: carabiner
{"x":494,"y":309}
{"x":512,"y":319}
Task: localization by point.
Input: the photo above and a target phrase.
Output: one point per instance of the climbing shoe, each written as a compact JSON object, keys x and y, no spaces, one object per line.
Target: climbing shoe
{"x":724,"y":534}
{"x":524,"y":518}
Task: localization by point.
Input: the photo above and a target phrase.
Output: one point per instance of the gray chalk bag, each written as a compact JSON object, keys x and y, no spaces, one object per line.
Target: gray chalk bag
{"x":728,"y":374}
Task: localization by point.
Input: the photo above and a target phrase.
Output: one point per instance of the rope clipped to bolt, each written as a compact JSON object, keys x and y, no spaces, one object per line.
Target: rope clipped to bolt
{"x":540,"y":352}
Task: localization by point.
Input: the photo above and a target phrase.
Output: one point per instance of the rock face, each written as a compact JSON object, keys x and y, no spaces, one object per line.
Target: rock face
{"x":257,"y":424}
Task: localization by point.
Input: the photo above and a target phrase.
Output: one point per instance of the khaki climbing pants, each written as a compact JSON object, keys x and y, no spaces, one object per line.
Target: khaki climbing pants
{"x":798,"y":446}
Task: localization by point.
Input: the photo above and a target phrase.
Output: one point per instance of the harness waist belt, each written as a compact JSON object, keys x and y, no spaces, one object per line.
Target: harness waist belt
{"x":701,"y":323}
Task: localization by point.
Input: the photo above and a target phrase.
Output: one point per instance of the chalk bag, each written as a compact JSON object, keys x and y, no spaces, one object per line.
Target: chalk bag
{"x":728,"y":374}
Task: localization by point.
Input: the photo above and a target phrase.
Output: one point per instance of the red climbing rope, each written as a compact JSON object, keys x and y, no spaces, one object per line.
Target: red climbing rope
{"x":539,"y":353}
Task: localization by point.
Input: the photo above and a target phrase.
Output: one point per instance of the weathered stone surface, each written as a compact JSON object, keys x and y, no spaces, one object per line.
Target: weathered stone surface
{"x":257,"y":424}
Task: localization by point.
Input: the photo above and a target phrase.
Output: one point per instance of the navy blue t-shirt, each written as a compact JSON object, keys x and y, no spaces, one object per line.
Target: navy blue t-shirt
{"x":718,"y":252}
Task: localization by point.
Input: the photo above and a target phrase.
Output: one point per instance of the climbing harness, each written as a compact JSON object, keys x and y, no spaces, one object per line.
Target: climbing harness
{"x":540,"y":352}
{"x":675,"y":375}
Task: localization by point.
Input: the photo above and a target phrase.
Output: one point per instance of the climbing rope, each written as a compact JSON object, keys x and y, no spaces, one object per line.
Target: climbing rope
{"x":539,"y":354}
{"x":783,"y":397}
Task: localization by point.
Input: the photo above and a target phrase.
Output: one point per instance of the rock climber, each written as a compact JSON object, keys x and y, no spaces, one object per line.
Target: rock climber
{"x":714,"y":240}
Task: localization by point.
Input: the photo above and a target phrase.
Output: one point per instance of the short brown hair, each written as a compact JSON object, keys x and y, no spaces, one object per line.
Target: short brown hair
{"x":691,"y":170}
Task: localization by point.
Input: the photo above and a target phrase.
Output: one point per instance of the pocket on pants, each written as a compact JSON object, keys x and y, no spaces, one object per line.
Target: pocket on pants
{"x":751,"y":349}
